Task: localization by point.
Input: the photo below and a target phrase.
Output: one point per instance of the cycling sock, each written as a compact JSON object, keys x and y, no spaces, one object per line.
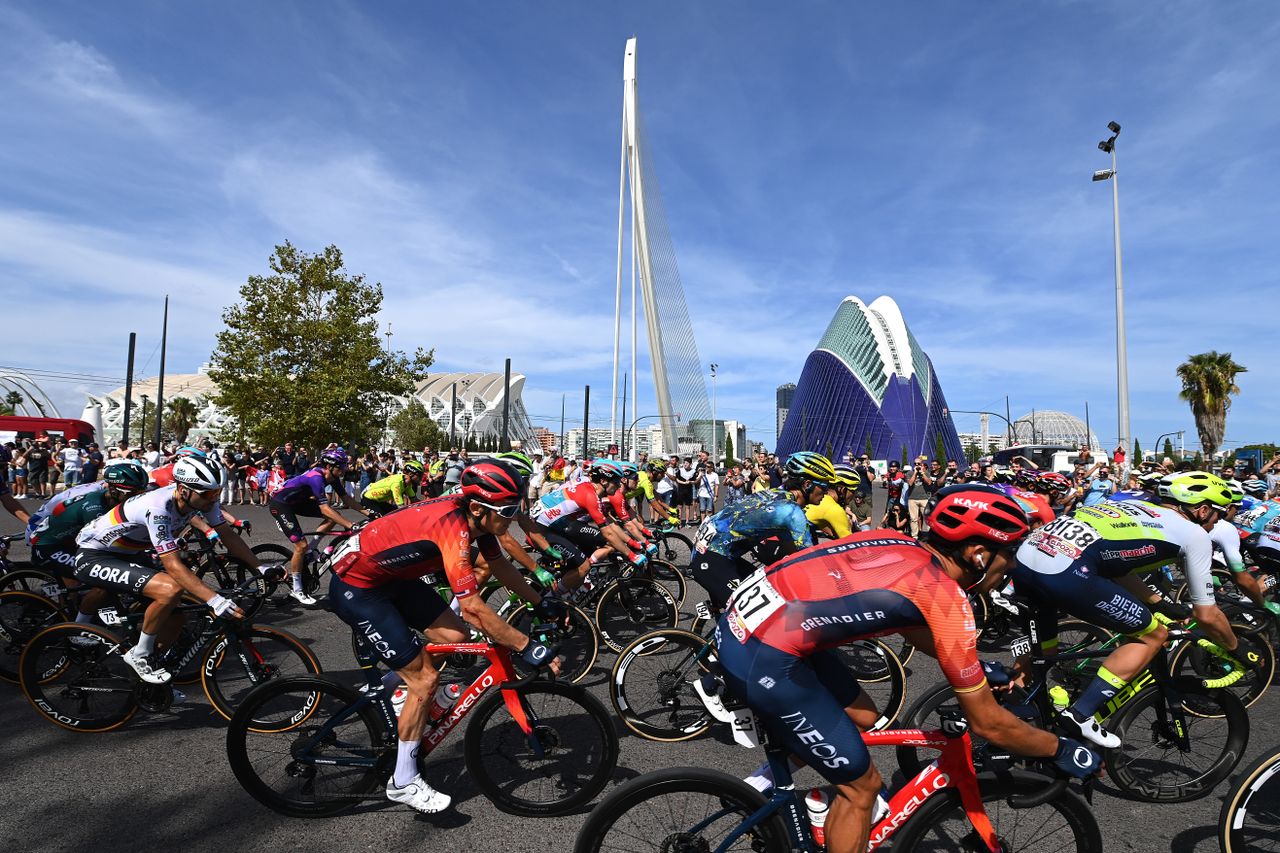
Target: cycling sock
{"x":762,"y":778}
{"x":455,"y":604}
{"x":297,"y":582}
{"x":146,"y":643}
{"x":1104,"y":686}
{"x":406,"y":762}
{"x":84,"y":618}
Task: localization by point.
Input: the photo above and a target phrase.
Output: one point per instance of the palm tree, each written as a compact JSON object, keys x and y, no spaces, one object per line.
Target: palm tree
{"x":1208,"y":381}
{"x":12,"y":401}
{"x":180,"y":417}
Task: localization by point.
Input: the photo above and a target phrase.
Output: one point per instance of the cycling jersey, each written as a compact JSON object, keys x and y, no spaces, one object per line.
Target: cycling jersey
{"x":568,"y":503}
{"x":1226,"y":538}
{"x":303,"y":489}
{"x":1035,"y":505}
{"x":1112,"y":539}
{"x":741,"y":526}
{"x":390,"y":489}
{"x":427,"y":538}
{"x":1134,"y":495}
{"x":828,"y":515}
{"x":643,"y":489}
{"x":150,"y":520}
{"x":55,"y":503}
{"x":1255,"y":515}
{"x":618,"y":503}
{"x":162,"y":476}
{"x":57,"y":526}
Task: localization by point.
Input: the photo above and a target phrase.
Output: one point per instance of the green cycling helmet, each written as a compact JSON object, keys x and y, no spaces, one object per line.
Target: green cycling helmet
{"x":517,"y":461}
{"x":413,"y":466}
{"x":808,"y":465}
{"x":1196,"y":487}
{"x":126,"y":476}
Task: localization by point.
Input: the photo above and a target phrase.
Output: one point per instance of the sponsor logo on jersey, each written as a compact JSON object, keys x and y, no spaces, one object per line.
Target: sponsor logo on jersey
{"x":814,"y":622}
{"x":1147,"y":550}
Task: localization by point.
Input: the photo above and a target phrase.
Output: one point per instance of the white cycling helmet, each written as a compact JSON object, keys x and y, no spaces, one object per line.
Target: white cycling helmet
{"x":197,"y":473}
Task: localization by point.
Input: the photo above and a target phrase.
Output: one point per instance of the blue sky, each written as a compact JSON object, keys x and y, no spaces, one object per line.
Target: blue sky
{"x":466,"y":157}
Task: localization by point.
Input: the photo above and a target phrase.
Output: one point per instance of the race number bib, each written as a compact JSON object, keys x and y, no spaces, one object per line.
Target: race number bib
{"x":706,"y":533}
{"x":752,"y":603}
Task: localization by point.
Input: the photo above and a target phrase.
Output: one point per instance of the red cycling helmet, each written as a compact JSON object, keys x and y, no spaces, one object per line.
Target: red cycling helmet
{"x":1056,"y":482}
{"x":491,"y":483}
{"x":972,"y":511}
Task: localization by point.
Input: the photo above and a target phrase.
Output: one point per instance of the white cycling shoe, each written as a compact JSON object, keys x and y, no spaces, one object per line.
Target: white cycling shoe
{"x":418,"y":795}
{"x":142,"y":665}
{"x":1090,"y":729}
{"x":710,"y":696}
{"x":302,"y":598}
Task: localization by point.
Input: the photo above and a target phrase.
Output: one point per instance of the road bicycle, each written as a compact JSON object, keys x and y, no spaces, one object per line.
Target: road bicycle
{"x":652,"y":682}
{"x":74,"y":676}
{"x":625,"y":600}
{"x":1250,"y":818}
{"x":23,"y":615}
{"x":1181,"y":735}
{"x":946,"y":806}
{"x":311,"y":746}
{"x":673,"y":547}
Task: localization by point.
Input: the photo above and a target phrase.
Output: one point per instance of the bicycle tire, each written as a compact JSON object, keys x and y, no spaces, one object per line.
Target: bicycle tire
{"x":675,"y":548}
{"x":1235,"y":832}
{"x":1191,"y":660}
{"x":27,"y":580}
{"x":629,"y":608}
{"x":302,"y":705}
{"x":269,"y":553}
{"x":55,"y":670}
{"x":240,"y":660}
{"x":927,"y":831}
{"x":1138,"y":778}
{"x":23,"y":615}
{"x":624,"y":815}
{"x":667,"y":574}
{"x":561,"y":723}
{"x":660,"y":704}
{"x":579,"y":647}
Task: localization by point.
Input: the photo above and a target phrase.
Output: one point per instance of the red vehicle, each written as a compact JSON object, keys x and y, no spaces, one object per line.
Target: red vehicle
{"x":18,"y":426}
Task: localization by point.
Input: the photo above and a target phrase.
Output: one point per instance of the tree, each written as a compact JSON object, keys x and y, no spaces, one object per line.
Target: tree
{"x":180,"y":417}
{"x":1198,"y":461}
{"x":1168,"y":449}
{"x":904,"y":457}
{"x":728,"y":451}
{"x":1208,"y":381}
{"x":12,"y":401}
{"x":869,"y":449}
{"x":144,"y":415}
{"x":300,"y":358}
{"x":1137,"y":452}
{"x":939,"y":449}
{"x":972,"y":452}
{"x":413,"y":428}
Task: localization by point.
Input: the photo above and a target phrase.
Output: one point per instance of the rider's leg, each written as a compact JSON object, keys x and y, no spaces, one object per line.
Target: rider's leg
{"x":1121,"y":666}
{"x":165,"y":594}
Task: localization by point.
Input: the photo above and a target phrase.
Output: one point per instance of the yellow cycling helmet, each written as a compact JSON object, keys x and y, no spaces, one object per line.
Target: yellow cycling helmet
{"x":1197,"y":487}
{"x":808,"y":465}
{"x":846,"y":475}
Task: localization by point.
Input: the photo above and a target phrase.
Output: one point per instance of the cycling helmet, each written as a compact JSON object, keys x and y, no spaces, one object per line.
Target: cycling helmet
{"x":184,"y":452}
{"x":846,"y":475}
{"x":337,"y":456}
{"x":127,"y":476}
{"x":413,"y":466}
{"x":1026,"y":478}
{"x":1255,"y":488}
{"x":518,"y":462}
{"x":197,"y":473}
{"x":607,"y":468}
{"x":1196,"y":487}
{"x":657,"y":466}
{"x":1055,"y":482}
{"x":808,"y":465}
{"x":972,"y":511}
{"x":629,"y":469}
{"x":491,"y":482}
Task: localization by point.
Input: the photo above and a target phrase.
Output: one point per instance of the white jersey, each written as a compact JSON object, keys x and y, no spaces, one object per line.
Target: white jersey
{"x":149,"y":520}
{"x":1226,"y":538}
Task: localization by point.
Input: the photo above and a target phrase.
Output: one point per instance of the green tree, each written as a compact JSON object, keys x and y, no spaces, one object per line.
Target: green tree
{"x":414,"y":429}
{"x":300,"y":358}
{"x":904,"y":457}
{"x":869,"y":447}
{"x":1137,"y":452}
{"x":12,"y":401}
{"x":139,"y":417}
{"x":972,"y":452}
{"x":1198,"y":461}
{"x":728,"y":451}
{"x":180,"y":416}
{"x":1168,"y":450}
{"x":939,"y":449}
{"x":1208,"y":382}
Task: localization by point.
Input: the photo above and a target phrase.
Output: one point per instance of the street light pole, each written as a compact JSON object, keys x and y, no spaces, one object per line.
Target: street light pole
{"x":1108,"y":146}
{"x":714,"y":446}
{"x":142,"y":440}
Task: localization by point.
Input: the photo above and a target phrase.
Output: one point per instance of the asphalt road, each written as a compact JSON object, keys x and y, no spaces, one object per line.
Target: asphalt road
{"x":163,"y":781}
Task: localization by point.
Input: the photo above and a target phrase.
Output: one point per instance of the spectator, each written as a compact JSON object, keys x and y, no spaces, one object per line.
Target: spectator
{"x":453,"y":466}
{"x":288,"y":456}
{"x":538,"y":476}
{"x":866,"y":476}
{"x":708,"y":489}
{"x":894,"y":482}
{"x":896,"y":518}
{"x":919,"y":488}
{"x":302,"y":461}
{"x":1100,"y":487}
{"x":859,"y":512}
{"x":761,"y":482}
{"x":1118,"y":456}
{"x":735,"y":485}
{"x":775,"y":472}
{"x":685,"y":476}
{"x":38,"y":459}
{"x":151,"y":458}
{"x":20,"y":452}
{"x":70,"y":462}
{"x":228,"y":461}
{"x":1272,"y":472}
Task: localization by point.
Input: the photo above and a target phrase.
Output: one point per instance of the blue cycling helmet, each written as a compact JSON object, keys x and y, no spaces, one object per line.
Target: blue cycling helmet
{"x":1255,"y":488}
{"x":630,"y":469}
{"x":610,"y":469}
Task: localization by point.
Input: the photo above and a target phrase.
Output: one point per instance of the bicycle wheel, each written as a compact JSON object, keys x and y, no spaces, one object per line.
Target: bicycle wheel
{"x":632,"y":607}
{"x":880,"y":675}
{"x":22,"y":616}
{"x":1250,"y":818}
{"x":579,"y":646}
{"x":675,"y":548}
{"x":1151,"y":767}
{"x":566,"y":761}
{"x":1065,"y":824}
{"x":652,"y":685}
{"x":681,"y":808}
{"x":669,"y":576}
{"x":309,"y":747}
{"x":74,"y":677}
{"x":32,"y":580}
{"x":241,"y":659}
{"x":268,"y":553}
{"x":1191,"y":660}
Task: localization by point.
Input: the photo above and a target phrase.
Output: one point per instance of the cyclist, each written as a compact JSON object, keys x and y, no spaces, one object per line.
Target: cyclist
{"x":306,"y":495}
{"x":724,"y":540}
{"x":573,"y":520}
{"x":163,"y":476}
{"x":1256,"y":512}
{"x":828,"y":514}
{"x":1023,"y":489}
{"x":642,"y":492}
{"x":775,"y":642}
{"x":522,"y":467}
{"x":664,"y":494}
{"x":1086,"y":564}
{"x":113,"y":554}
{"x":376,"y":590}
{"x":394,"y":491}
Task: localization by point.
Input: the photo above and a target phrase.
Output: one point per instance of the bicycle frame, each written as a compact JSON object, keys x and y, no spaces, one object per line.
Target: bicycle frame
{"x":952,"y":769}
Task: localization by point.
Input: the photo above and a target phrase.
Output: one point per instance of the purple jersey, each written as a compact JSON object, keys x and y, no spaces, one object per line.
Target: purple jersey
{"x":303,"y":488}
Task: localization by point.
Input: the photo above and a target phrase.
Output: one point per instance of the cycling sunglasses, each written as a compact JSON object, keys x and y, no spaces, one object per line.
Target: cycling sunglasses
{"x":506,"y":511}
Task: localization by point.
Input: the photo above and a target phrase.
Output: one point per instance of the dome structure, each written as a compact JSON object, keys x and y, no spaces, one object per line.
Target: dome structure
{"x":1048,"y":426}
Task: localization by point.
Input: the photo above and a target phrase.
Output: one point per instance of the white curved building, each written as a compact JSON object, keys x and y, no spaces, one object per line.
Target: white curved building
{"x":1049,"y":426}
{"x":479,"y":411}
{"x":34,"y":403}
